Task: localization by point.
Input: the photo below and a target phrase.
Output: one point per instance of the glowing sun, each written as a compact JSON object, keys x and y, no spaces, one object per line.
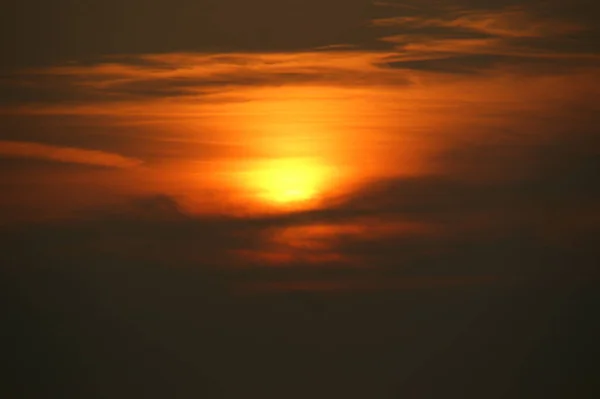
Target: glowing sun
{"x":290,"y":181}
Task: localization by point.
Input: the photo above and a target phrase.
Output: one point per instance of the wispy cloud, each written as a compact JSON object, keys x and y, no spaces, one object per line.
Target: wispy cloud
{"x":414,"y":38}
{"x":16,"y":149}
{"x":194,"y":73}
{"x":505,"y":22}
{"x":513,"y":36}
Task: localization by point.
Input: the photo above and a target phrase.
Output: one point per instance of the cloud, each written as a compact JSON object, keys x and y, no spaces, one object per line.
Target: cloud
{"x":28,"y":150}
{"x":426,"y":44}
{"x":462,"y":221}
{"x":197,"y":77}
{"x":154,"y":233}
{"x":400,"y":42}
{"x":455,"y":39}
{"x":506,"y":22}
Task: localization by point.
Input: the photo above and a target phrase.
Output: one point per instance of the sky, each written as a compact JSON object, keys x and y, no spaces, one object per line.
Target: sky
{"x":294,"y":198}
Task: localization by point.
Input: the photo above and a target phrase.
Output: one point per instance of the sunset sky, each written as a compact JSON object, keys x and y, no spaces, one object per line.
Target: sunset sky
{"x":301,"y":198}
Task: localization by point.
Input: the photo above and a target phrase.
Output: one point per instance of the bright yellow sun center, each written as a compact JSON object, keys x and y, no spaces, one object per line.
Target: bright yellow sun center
{"x":289,"y":181}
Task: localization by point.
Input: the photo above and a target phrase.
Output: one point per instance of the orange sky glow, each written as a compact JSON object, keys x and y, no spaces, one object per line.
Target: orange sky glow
{"x":277,"y":146}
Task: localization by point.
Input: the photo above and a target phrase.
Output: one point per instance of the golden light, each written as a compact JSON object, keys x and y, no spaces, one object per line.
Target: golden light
{"x":293,"y":148}
{"x":289,"y":181}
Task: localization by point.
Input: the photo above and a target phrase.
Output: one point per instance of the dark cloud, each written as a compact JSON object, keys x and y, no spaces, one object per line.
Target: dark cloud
{"x":469,"y":37}
{"x":144,"y":289}
{"x":474,"y":64}
{"x":468,"y":64}
{"x":144,"y":293}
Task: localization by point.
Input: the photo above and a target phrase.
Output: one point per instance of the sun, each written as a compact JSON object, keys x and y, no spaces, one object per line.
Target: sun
{"x":289,"y":181}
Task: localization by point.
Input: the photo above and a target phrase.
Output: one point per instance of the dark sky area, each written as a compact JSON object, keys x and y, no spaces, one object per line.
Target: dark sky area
{"x":300,"y":199}
{"x":37,"y":32}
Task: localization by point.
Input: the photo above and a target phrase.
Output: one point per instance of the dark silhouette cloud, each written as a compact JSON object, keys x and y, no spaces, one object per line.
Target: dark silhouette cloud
{"x":155,"y":320}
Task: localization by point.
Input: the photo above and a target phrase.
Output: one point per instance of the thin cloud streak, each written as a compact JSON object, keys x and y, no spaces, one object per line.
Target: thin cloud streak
{"x":15,"y":149}
{"x":508,"y":22}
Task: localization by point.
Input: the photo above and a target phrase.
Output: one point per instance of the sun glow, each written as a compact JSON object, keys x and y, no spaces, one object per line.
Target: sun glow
{"x":291,"y":148}
{"x":289,"y":181}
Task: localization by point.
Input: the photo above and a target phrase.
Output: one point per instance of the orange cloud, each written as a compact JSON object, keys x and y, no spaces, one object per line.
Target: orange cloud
{"x":16,"y":149}
{"x":206,"y":68}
